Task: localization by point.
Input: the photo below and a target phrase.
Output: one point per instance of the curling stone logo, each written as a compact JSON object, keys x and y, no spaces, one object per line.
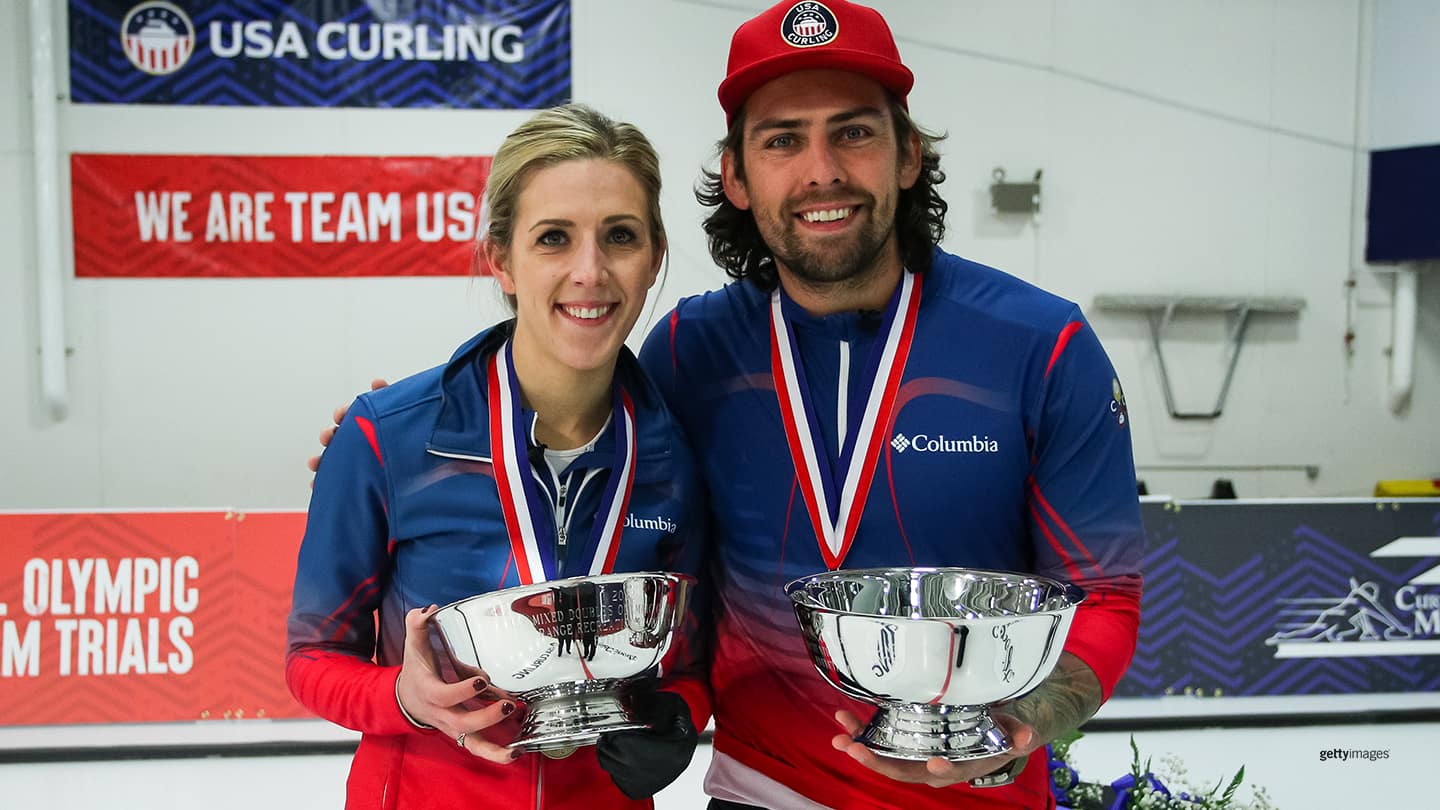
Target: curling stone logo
{"x":157,"y":38}
{"x":809,"y":24}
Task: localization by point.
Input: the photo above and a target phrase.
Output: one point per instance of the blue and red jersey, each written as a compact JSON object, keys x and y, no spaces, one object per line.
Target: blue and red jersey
{"x":1009,"y":448}
{"x":406,"y":514}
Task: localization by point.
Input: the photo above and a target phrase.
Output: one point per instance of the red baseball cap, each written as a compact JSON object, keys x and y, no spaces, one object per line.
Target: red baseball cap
{"x":808,"y":35}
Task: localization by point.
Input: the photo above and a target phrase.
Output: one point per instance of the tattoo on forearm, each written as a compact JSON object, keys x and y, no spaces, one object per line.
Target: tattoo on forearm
{"x":1069,"y":697}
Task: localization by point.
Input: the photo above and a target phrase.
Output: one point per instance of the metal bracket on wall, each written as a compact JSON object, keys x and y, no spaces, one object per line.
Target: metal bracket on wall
{"x":1160,"y":309}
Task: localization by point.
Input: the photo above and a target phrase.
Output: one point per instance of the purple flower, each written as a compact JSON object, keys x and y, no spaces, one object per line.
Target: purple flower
{"x":1126,"y":784}
{"x":1062,"y":779}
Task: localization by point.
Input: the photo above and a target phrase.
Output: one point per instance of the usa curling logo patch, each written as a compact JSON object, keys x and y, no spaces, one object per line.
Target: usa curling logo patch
{"x":809,"y":24}
{"x":1117,"y":403}
{"x":157,"y":37}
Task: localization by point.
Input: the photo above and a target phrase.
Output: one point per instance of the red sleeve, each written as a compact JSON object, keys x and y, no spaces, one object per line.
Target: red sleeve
{"x":343,"y":565}
{"x":1083,"y":502}
{"x":352,"y":693}
{"x":1104,"y":631}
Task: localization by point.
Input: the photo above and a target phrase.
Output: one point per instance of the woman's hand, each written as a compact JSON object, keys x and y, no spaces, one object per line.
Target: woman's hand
{"x":432,"y":702}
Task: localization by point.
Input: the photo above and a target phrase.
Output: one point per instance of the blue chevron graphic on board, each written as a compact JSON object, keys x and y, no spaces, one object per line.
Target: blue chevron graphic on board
{"x":1205,"y":625}
{"x":1152,"y":671}
{"x":472,"y":54}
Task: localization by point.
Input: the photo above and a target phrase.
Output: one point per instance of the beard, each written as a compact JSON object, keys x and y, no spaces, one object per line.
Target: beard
{"x":829,"y":261}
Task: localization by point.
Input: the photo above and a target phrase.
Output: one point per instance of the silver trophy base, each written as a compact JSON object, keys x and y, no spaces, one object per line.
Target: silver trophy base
{"x":917,"y":731}
{"x":564,"y":717}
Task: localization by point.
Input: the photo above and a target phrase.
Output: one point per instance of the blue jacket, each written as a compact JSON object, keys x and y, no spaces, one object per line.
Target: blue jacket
{"x":1009,"y":449}
{"x":406,"y":514}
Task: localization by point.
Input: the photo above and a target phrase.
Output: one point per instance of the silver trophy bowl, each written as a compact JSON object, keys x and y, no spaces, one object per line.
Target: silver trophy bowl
{"x":934,"y":649}
{"x":567,"y":648}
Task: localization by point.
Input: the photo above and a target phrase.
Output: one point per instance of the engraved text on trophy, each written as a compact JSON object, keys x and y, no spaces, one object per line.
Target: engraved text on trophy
{"x":1005,"y":664}
{"x":885,"y":651}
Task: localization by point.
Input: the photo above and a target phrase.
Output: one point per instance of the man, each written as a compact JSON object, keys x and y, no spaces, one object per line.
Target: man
{"x":860,"y":398}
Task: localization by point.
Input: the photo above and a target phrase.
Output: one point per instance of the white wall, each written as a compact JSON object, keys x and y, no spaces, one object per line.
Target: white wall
{"x":1405,"y":75}
{"x":1215,"y":161}
{"x":1196,"y":147}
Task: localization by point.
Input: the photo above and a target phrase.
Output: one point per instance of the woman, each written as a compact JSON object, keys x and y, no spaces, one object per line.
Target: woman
{"x":407,"y":513}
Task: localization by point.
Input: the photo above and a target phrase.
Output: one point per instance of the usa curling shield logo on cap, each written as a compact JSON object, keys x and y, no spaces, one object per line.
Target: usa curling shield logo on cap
{"x":809,"y":24}
{"x":157,"y":38}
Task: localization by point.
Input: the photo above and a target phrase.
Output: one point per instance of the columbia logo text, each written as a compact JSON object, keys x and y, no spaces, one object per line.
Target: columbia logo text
{"x":925,"y":443}
{"x":659,"y":523}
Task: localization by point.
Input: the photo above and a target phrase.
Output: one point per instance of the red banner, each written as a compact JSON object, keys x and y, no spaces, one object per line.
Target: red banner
{"x":210,"y":216}
{"x":145,"y":617}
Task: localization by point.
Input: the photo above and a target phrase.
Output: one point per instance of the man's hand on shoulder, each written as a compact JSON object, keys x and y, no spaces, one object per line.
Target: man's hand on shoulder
{"x":329,"y":433}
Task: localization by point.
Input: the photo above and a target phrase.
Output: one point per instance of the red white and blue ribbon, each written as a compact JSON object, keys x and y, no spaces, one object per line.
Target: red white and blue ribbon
{"x":529,"y":520}
{"x":836,"y":504}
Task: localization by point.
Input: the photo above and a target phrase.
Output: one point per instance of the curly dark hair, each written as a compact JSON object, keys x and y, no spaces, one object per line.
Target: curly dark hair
{"x":735,"y":241}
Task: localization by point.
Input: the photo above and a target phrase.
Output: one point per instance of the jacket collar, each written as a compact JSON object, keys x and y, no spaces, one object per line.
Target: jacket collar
{"x":462,"y":427}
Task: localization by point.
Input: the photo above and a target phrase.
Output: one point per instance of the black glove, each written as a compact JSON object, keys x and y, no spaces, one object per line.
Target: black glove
{"x":644,"y":761}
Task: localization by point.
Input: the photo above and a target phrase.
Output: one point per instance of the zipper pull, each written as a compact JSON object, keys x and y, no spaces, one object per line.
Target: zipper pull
{"x":562,"y":536}
{"x":564,"y":488}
